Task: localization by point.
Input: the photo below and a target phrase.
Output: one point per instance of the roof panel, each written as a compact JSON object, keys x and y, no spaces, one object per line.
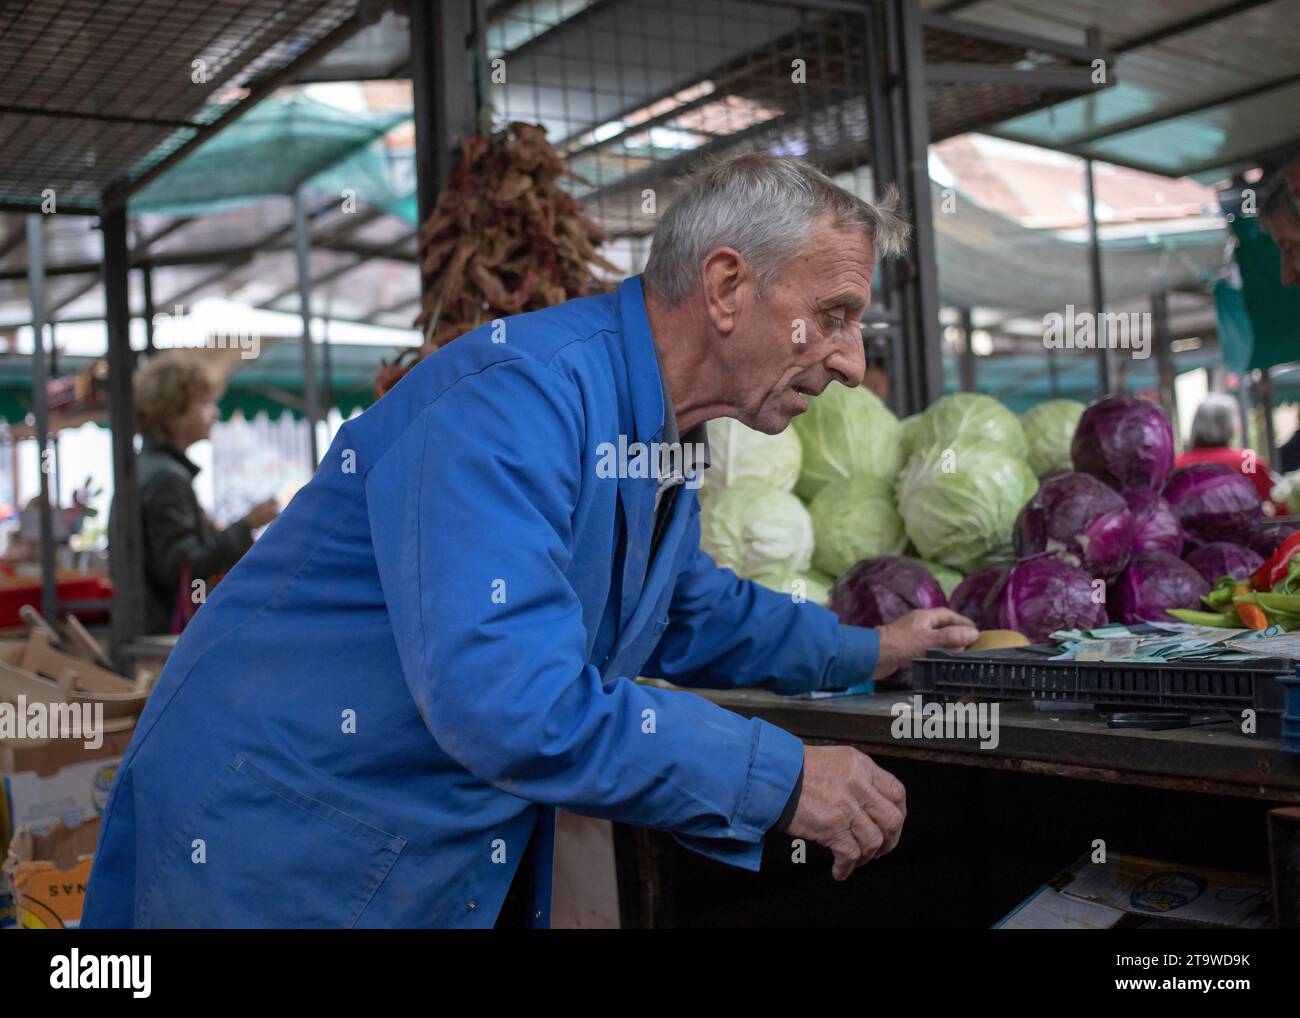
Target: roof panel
{"x":1210,"y":97}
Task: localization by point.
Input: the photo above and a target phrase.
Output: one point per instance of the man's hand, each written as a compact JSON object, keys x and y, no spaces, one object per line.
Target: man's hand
{"x":850,"y":805}
{"x":907,"y":638}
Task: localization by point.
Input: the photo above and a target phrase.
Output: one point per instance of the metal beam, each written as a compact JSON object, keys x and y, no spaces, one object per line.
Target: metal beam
{"x":116,"y":197}
{"x":1019,"y":40}
{"x":967,"y":364}
{"x":1064,"y":78}
{"x":1263,"y":388}
{"x":302,"y":238}
{"x":442,"y":89}
{"x":146,"y":284}
{"x":1097,"y":285}
{"x":411,"y":302}
{"x":212,"y":277}
{"x":1075,"y":144}
{"x":925,"y":375}
{"x":41,"y":410}
{"x":1160,"y":340}
{"x":126,"y":544}
{"x":1188,"y":24}
{"x":21,"y":110}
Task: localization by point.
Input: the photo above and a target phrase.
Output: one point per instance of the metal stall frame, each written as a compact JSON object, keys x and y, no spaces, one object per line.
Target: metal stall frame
{"x":111,"y":207}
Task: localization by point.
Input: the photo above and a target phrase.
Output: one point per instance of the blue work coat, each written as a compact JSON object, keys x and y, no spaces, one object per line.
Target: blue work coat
{"x":435,"y":646}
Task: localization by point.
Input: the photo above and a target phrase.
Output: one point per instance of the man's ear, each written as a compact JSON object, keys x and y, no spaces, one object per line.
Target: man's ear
{"x":725,"y":276}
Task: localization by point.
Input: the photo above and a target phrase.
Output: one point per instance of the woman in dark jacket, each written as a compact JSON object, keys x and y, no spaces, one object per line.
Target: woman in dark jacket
{"x":175,"y":406}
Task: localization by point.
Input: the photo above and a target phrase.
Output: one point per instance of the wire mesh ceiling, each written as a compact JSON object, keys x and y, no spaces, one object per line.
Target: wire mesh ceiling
{"x":94,"y":95}
{"x":635,"y":94}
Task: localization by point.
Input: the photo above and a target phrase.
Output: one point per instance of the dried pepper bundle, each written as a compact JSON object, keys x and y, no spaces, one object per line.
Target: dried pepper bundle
{"x":502,"y":239}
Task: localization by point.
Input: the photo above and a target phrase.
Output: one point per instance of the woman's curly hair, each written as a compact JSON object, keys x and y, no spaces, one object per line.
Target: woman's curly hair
{"x":166,"y":387}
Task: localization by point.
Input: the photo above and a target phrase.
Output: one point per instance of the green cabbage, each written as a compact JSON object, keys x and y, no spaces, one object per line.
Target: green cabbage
{"x":968,"y":416}
{"x":847,"y":433}
{"x":811,"y":586}
{"x":948,"y":578}
{"x":960,"y":502}
{"x":1049,"y":430}
{"x":754,"y":530}
{"x":852,"y":520}
{"x":913,"y":434}
{"x":738,"y":454}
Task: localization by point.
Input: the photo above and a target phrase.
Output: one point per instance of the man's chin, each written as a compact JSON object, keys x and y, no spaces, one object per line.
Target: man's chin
{"x":773,"y":422}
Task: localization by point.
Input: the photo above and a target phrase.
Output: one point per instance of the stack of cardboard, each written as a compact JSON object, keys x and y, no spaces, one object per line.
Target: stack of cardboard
{"x":66,"y":719}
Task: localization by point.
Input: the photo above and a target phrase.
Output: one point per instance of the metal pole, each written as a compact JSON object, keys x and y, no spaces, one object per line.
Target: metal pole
{"x":442,"y":84}
{"x":302,"y":242}
{"x":1098,"y":289}
{"x":126,"y":543}
{"x":967,"y":364}
{"x":1053,"y":380}
{"x":41,"y":409}
{"x":146,"y":280}
{"x":1264,"y":400}
{"x":1164,"y":357}
{"x":926,"y":383}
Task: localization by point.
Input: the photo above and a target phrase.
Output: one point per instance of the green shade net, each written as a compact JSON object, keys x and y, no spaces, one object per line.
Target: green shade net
{"x":270,"y":383}
{"x":1236,"y":337}
{"x":1272,"y":309}
{"x":280,"y":145}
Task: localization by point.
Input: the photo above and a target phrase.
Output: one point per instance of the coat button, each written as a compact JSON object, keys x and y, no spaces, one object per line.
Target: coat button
{"x":473,"y":905}
{"x":537,"y":915}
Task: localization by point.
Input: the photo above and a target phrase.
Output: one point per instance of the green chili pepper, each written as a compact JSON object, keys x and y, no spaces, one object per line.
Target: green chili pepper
{"x":1226,"y":620}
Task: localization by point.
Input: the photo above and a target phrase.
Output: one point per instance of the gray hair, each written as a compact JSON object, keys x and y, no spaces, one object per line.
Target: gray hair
{"x":763,"y":206}
{"x":1277,"y":202}
{"x":1215,"y":422}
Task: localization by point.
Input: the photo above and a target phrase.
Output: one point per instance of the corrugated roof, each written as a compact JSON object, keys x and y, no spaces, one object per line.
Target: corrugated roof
{"x":1204,"y":88}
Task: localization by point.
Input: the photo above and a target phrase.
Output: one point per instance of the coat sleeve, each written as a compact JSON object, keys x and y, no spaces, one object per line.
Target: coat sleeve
{"x":471,"y":519}
{"x":174,"y":537}
{"x":725,"y":632}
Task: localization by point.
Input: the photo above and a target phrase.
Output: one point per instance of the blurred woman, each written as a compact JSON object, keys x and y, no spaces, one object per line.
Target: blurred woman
{"x":1214,"y":427}
{"x":175,"y":406}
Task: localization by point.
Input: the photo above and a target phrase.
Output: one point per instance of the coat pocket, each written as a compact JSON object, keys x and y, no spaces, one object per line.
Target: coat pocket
{"x":257,"y":853}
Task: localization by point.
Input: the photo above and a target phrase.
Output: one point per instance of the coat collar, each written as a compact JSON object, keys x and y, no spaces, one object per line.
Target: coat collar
{"x":644,"y":379}
{"x":150,"y":444}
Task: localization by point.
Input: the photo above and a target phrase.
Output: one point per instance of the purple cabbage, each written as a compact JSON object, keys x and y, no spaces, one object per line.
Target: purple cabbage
{"x":1267,"y":539}
{"x":1040,"y":595}
{"x":1155,"y":527}
{"x":1077,"y":514}
{"x":1154,"y":582}
{"x":1214,"y":503}
{"x":1218,"y":559}
{"x":973,"y":592}
{"x":1126,"y":442}
{"x":879,"y":590}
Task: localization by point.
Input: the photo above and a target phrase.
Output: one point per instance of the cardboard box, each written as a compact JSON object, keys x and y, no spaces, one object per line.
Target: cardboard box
{"x":47,"y":872}
{"x":55,"y":779}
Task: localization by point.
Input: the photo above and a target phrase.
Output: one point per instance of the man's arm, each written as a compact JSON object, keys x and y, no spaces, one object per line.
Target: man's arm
{"x":725,"y":632}
{"x":470,"y":515}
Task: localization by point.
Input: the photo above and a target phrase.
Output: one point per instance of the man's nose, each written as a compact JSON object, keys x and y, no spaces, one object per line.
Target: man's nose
{"x":848,"y":363}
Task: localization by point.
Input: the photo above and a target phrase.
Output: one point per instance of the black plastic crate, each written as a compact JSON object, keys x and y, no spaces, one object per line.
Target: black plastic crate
{"x":1194,"y":686}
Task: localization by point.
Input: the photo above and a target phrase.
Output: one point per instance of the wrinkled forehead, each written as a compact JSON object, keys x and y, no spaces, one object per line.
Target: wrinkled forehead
{"x":834,"y":256}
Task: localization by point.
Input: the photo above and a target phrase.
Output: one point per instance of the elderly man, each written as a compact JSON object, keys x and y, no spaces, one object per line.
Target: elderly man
{"x":372,"y":720}
{"x":1279,"y":214}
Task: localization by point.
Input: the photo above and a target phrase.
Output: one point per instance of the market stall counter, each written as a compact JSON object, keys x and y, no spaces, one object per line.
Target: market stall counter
{"x":991,"y":816}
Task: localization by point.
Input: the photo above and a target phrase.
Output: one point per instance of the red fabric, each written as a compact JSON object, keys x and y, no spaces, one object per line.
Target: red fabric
{"x":1262,"y":478}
